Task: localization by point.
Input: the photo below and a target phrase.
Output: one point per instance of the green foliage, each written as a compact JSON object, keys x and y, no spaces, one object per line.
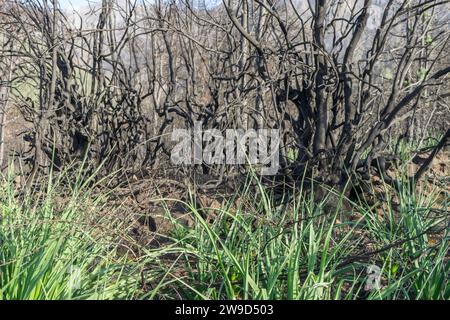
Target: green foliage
{"x":255,"y":246}
{"x":50,"y":253}
{"x":422,"y":73}
{"x":300,"y":251}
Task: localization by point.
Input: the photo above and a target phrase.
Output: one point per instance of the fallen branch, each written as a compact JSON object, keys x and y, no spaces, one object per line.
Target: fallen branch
{"x":444,"y":141}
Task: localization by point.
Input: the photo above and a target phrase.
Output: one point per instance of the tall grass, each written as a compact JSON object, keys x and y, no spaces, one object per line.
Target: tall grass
{"x":64,"y":241}
{"x":309,"y":249}
{"x":65,"y":250}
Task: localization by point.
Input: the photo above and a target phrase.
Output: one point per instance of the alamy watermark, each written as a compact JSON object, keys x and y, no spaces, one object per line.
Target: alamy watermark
{"x":233,"y":147}
{"x":74,"y":281}
{"x":375,"y":15}
{"x":373,"y":281}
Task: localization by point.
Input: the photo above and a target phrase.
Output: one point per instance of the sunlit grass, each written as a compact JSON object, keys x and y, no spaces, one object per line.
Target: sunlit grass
{"x":57,"y":245}
{"x":303,"y":250}
{"x":51,"y":250}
